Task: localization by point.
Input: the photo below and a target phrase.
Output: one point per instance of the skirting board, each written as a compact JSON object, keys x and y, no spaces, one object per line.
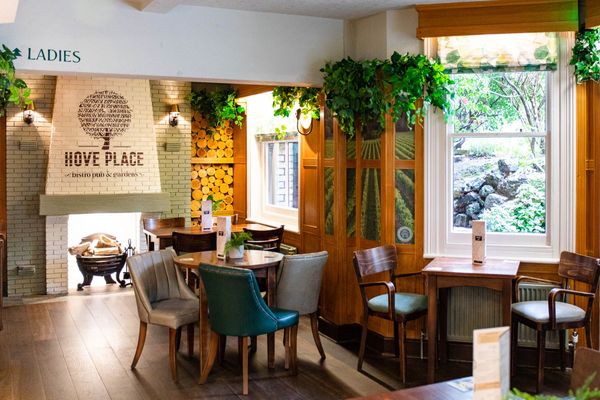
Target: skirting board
{"x":103,"y":203}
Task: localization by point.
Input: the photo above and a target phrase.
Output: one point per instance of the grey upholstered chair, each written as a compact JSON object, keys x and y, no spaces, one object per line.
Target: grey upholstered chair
{"x":299,"y":285}
{"x":162,"y":298}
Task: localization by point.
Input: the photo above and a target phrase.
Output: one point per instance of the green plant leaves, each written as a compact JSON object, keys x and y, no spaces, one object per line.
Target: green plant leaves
{"x":12,"y":89}
{"x":586,"y":56}
{"x":217,"y":107}
{"x":369,"y":90}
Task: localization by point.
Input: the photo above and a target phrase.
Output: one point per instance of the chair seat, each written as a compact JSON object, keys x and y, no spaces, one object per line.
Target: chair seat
{"x":174,"y":313}
{"x":285,"y":318}
{"x":405,"y":303}
{"x":537,"y":311}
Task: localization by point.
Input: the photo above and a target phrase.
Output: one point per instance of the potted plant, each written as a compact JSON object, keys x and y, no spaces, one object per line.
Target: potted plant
{"x":234,"y":248}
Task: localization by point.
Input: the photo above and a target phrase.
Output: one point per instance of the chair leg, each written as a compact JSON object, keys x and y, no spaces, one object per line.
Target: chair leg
{"x":245,"y":365}
{"x":514,"y":337}
{"x":294,"y":349}
{"x":588,"y":335}
{"x":253,"y":344}
{"x":190,"y":339}
{"x":212,"y":354}
{"x":561,"y":344}
{"x":140,"y":344}
{"x":173,"y":352}
{"x":363,"y":342}
{"x":286,"y":345}
{"x":177,"y":339}
{"x":402,"y":350}
{"x":541,"y":348}
{"x":396,"y":336}
{"x":314,"y":324}
{"x":222,"y":346}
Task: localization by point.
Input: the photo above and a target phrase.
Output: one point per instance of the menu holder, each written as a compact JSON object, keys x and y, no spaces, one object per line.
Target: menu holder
{"x":207,"y":219}
{"x":491,"y":363}
{"x":478,"y":237}
{"x":223,"y":235}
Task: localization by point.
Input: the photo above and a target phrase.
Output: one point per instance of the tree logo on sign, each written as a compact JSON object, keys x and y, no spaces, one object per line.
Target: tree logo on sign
{"x":104,"y":115}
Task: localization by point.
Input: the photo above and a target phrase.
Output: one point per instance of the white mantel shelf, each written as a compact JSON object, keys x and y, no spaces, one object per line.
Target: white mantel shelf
{"x":103,"y":203}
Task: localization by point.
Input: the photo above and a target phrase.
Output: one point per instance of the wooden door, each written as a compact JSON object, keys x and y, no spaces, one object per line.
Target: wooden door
{"x":3,"y":216}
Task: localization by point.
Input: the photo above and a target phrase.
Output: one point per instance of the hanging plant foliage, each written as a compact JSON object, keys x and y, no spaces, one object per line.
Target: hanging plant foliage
{"x":586,"y":56}
{"x":217,"y":107}
{"x":285,"y":99}
{"x":12,"y":89}
{"x":369,"y":90}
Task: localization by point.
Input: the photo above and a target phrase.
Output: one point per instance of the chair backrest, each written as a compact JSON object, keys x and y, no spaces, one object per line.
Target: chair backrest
{"x":269,"y":239}
{"x":372,"y":261}
{"x":580,"y":268}
{"x":156,"y":278}
{"x":153,"y":223}
{"x":235,"y":305}
{"x":190,"y":242}
{"x":299,"y":282}
{"x":587,"y":361}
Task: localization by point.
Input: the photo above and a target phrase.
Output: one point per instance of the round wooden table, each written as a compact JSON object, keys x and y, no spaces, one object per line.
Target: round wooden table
{"x":257,"y":260}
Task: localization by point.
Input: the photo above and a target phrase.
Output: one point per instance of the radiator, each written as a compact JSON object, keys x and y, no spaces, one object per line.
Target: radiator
{"x":474,"y":308}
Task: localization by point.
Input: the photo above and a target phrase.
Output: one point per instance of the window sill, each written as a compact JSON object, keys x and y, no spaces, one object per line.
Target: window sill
{"x":542,"y":260}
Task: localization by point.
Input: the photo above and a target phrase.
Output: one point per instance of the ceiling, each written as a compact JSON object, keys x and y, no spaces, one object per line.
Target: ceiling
{"x":340,"y":9}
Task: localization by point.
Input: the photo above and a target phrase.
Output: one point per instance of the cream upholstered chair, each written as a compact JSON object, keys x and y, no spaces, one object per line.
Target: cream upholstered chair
{"x":162,"y":298}
{"x":299,"y":286}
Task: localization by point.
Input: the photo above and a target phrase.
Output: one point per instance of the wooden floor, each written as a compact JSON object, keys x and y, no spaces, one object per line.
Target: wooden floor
{"x":80,"y":347}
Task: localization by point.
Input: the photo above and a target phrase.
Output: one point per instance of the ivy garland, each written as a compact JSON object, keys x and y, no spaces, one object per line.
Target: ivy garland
{"x":12,"y":89}
{"x":369,"y":90}
{"x":586,"y":56}
{"x":217,"y":107}
{"x":285,"y":99}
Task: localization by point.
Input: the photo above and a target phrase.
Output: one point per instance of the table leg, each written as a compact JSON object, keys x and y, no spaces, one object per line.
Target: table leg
{"x":507,"y":288}
{"x":443,"y":325}
{"x":271,"y":289}
{"x":431,"y":327}
{"x":204,"y":331}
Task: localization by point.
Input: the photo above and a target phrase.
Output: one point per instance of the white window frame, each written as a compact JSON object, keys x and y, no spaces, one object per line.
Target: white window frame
{"x":440,"y":240}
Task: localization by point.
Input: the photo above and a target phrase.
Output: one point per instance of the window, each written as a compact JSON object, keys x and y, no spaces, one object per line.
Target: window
{"x":273,"y":164}
{"x":507,"y":154}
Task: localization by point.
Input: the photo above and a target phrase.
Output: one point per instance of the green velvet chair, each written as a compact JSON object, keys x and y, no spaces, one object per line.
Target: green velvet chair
{"x":236,"y":308}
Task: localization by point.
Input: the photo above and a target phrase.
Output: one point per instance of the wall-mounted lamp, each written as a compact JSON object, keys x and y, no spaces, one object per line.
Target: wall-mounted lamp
{"x":304,"y":123}
{"x":174,"y":115}
{"x":29,"y":114}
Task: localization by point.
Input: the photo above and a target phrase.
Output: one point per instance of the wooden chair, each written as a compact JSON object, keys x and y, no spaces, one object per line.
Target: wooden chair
{"x":154,"y":223}
{"x":396,"y":307}
{"x":189,"y":243}
{"x":555,"y":313}
{"x":269,"y":239}
{"x":587,"y":362}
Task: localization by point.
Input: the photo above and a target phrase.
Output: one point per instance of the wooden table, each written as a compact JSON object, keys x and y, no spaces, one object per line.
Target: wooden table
{"x":256,"y":260}
{"x":441,"y":390}
{"x":445,"y":272}
{"x":161,"y":237}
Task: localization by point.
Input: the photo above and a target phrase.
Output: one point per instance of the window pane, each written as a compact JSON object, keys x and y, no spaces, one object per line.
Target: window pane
{"x":370,"y":207}
{"x":351,"y":202}
{"x":500,"y":102}
{"x":329,"y":149}
{"x":329,"y":190}
{"x":405,"y":141}
{"x":371,"y":142}
{"x":405,"y":206}
{"x":501,"y":181}
{"x":281,"y":162}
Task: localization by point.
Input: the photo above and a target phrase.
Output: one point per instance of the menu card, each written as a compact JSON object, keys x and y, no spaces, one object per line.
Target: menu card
{"x":223,"y":235}
{"x":491,"y":363}
{"x":207,"y":220}
{"x":478,"y":233}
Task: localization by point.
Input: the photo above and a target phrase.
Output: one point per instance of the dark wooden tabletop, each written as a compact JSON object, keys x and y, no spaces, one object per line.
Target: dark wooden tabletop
{"x":435,"y":391}
{"x":465,"y":267}
{"x":167,"y":232}
{"x":253,"y":259}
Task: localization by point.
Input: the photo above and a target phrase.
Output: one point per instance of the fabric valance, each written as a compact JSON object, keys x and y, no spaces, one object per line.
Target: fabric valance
{"x":509,"y":52}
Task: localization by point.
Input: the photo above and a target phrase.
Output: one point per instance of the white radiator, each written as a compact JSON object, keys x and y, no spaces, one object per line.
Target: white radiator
{"x":474,"y":308}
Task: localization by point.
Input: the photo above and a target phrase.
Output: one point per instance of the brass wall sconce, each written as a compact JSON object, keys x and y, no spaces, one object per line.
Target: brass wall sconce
{"x":174,"y":115}
{"x":304,"y":126}
{"x":29,"y":114}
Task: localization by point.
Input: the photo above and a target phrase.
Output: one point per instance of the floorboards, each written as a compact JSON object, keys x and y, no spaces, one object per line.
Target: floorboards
{"x":81,"y":346}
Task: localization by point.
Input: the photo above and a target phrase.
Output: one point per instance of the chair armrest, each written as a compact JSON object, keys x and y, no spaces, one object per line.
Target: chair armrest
{"x":391,"y":291}
{"x":526,"y":278}
{"x":552,"y":301}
